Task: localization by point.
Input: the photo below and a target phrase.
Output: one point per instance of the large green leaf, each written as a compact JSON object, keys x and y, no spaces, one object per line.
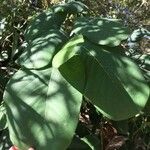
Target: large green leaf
{"x":40,"y":51}
{"x":44,"y":38}
{"x":43,"y":23}
{"x":73,"y":7}
{"x":42,"y":109}
{"x":101,"y":30}
{"x":111,"y":81}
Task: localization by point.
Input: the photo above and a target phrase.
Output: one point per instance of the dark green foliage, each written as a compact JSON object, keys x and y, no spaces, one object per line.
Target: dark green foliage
{"x":119,"y":80}
{"x":58,"y":72}
{"x":111,"y":30}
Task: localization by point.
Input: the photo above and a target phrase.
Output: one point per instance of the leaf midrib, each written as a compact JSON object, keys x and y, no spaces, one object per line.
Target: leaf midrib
{"x":119,"y":81}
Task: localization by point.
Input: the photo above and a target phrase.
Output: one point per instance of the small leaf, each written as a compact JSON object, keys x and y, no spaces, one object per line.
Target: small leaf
{"x":78,"y":144}
{"x":3,"y":121}
{"x":138,"y":34}
{"x":89,"y":142}
{"x":92,"y":141}
{"x":121,"y":126}
{"x":101,"y":31}
{"x":3,"y":81}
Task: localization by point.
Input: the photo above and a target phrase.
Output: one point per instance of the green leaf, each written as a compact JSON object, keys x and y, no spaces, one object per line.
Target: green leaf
{"x":3,"y":122}
{"x":144,"y":62}
{"x":101,"y":30}
{"x":146,"y":109}
{"x":121,"y":126}
{"x":43,"y":23}
{"x":111,"y":81}
{"x":44,"y":38}
{"x":42,"y":109}
{"x":138,"y":34}
{"x":78,"y":144}
{"x":3,"y":81}
{"x":72,"y":7}
{"x":40,"y":51}
{"x":92,"y":141}
{"x":89,"y":142}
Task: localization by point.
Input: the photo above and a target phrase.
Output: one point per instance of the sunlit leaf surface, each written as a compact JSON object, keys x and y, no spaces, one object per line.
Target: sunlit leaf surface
{"x":111,"y":81}
{"x":101,"y":31}
{"x":44,"y":38}
{"x":42,"y":109}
